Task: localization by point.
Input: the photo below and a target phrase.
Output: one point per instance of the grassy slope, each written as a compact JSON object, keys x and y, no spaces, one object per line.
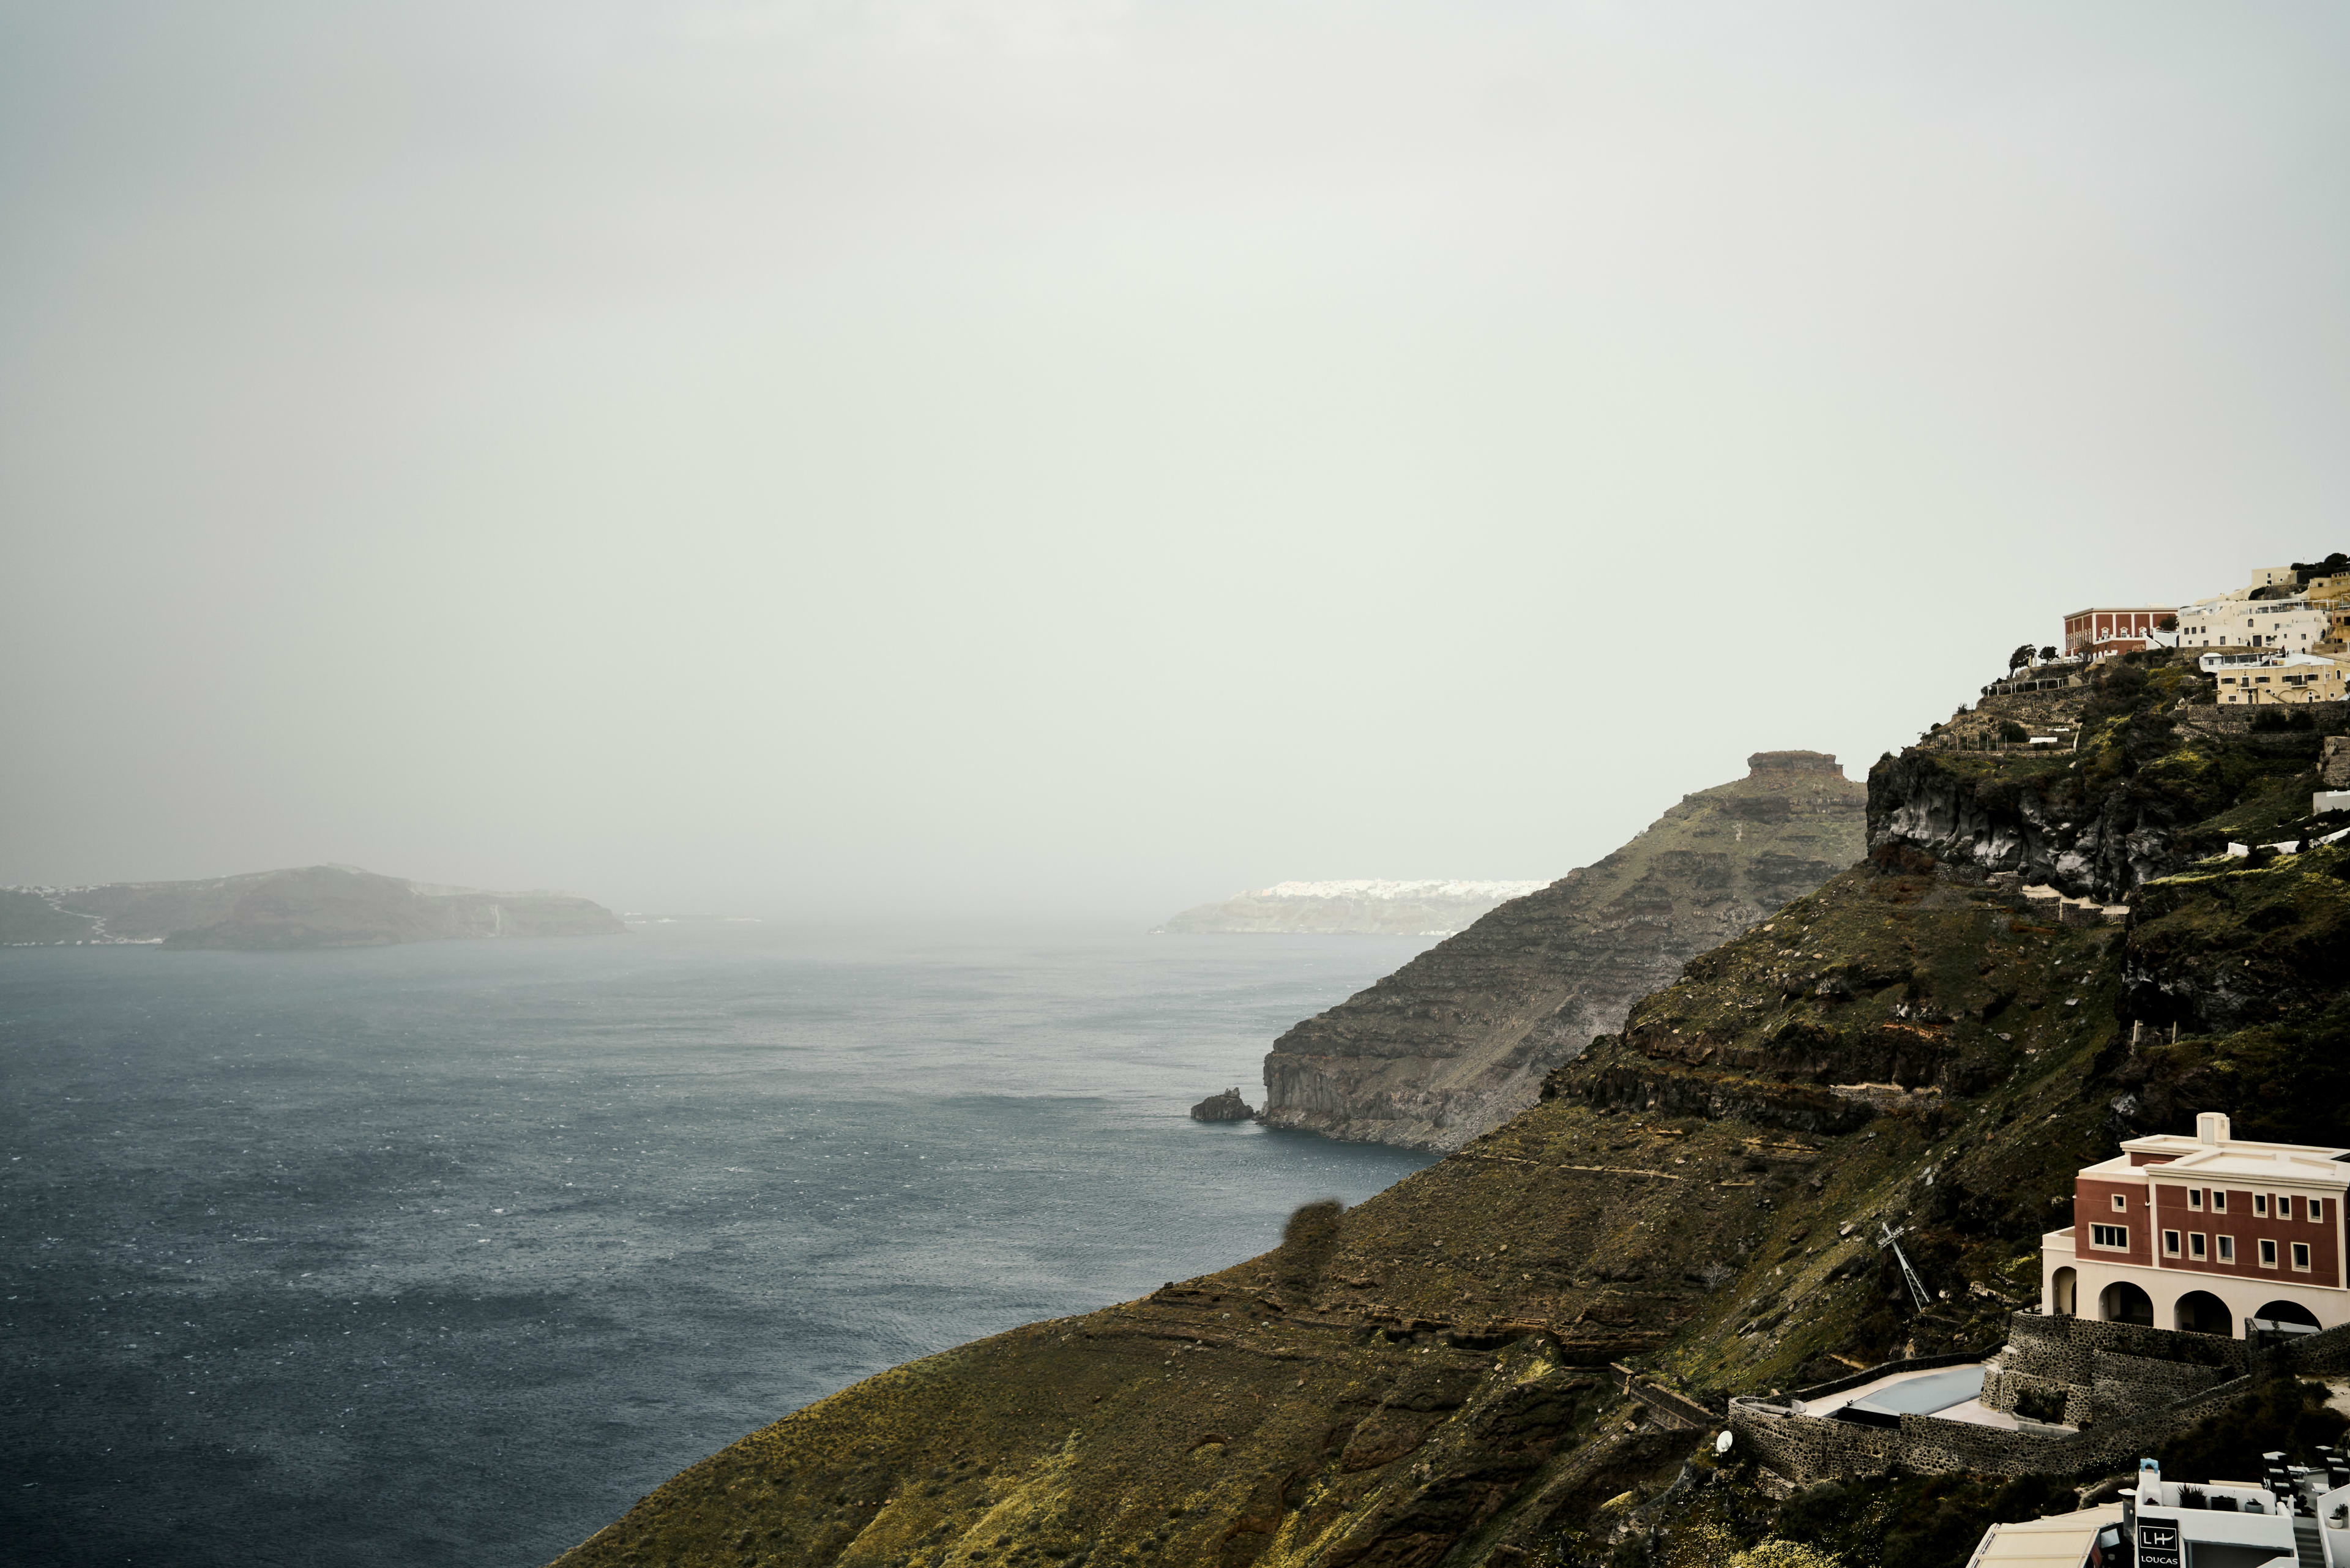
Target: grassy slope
{"x":1430,"y":1385}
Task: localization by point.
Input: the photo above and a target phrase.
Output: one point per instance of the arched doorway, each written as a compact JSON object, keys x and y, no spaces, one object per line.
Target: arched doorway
{"x":2062,"y":1287}
{"x":2125,"y":1303}
{"x":2201,"y":1312}
{"x":2288,"y":1312}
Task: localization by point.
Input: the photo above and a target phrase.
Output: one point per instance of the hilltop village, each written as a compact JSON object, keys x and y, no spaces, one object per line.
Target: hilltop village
{"x":1984,"y":1203}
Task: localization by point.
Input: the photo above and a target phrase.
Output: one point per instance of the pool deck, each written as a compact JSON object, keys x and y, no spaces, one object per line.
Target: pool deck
{"x":1952,"y":1393}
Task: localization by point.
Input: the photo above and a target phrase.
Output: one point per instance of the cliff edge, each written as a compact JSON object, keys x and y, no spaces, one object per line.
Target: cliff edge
{"x":1458,"y":1041}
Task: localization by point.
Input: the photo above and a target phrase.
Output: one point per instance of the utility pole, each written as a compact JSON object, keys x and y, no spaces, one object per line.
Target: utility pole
{"x":1889,"y":1238}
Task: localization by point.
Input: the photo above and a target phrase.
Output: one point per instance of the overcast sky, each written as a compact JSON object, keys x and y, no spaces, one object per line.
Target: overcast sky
{"x":1085,"y":458}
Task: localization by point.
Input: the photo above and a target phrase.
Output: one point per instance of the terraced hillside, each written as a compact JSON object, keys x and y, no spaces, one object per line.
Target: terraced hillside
{"x":1429,"y":1377}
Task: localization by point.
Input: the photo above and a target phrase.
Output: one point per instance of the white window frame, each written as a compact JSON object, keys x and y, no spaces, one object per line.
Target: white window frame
{"x":2196,"y":1250}
{"x":2121,"y":1202}
{"x":2170,"y":1244}
{"x":2098,"y":1232}
{"x":2195,"y":1198}
{"x":2301,"y":1264}
{"x":2268,"y":1253}
{"x":2227,"y":1249}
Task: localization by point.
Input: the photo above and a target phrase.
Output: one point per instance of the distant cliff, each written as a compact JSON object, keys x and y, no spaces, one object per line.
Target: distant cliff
{"x":311,"y":907}
{"x":1359,"y":908}
{"x":1458,"y":1041}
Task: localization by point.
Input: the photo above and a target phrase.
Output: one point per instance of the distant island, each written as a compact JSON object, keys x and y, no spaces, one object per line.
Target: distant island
{"x":308,"y":907}
{"x":1362,"y":908}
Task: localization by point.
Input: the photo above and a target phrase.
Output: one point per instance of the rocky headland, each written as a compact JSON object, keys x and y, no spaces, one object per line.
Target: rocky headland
{"x":1363,"y":906}
{"x":309,"y":907}
{"x":1520,"y":1357}
{"x":1458,"y":1041}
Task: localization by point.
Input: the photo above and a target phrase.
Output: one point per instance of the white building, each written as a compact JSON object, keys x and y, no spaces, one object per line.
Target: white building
{"x":2236,"y":620}
{"x":2200,"y":1234}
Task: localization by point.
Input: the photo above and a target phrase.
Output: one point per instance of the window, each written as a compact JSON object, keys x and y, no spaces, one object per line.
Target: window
{"x":2301,"y":1256}
{"x":2115,"y":1236}
{"x":2268,"y":1253}
{"x":2170,"y":1243}
{"x":2316,"y":1207}
{"x":2227,"y":1249}
{"x":2121,"y":1203}
{"x":2195,"y":1244}
{"x":2195,"y":1198}
{"x":2260,"y":1204}
{"x":2219,"y":1201}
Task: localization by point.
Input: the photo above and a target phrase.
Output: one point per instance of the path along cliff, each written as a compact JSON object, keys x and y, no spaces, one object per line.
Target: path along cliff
{"x":1458,"y":1040}
{"x":1429,"y":1378}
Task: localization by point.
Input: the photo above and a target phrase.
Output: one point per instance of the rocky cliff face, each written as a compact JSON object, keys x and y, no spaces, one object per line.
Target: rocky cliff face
{"x":1458,"y":1041}
{"x":1433,"y":1377}
{"x":311,"y":907}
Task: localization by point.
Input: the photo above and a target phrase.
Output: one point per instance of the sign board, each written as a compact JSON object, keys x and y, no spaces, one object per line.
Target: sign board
{"x":2157,"y":1543}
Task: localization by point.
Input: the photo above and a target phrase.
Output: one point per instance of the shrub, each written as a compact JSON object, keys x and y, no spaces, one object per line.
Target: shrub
{"x":2013,"y":732}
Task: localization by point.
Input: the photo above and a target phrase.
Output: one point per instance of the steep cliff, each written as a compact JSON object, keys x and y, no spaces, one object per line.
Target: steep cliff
{"x":311,"y":907}
{"x":1457,"y":1040}
{"x":1429,"y":1377}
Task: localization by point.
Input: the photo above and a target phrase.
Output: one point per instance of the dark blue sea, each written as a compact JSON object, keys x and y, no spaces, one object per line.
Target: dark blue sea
{"x":446,"y":1254}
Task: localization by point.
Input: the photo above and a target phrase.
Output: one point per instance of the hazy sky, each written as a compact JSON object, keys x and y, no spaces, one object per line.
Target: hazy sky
{"x":1089,"y":458}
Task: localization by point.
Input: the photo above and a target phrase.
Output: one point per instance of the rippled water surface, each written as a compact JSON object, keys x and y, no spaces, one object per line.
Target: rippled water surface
{"x":447,"y":1253}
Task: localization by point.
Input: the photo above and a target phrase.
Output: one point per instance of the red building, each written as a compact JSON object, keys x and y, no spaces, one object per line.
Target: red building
{"x":2095,"y":631}
{"x":2199,"y":1233}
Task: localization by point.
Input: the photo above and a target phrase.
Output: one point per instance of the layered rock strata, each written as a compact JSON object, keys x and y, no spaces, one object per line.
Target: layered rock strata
{"x":1458,"y":1041}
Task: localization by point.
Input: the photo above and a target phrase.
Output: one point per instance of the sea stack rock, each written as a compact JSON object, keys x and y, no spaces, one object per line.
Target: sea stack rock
{"x":1458,"y":1040}
{"x":1227,"y":1107}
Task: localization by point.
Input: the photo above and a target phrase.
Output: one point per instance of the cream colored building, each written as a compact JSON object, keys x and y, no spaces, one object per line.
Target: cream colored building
{"x":2239,"y":621}
{"x":2249,"y":679}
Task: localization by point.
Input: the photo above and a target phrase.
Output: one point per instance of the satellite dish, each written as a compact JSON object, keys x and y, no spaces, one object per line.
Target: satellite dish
{"x":1722,"y":1444}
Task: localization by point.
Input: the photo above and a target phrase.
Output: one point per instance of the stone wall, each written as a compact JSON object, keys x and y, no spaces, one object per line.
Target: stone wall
{"x":2122,"y":1387}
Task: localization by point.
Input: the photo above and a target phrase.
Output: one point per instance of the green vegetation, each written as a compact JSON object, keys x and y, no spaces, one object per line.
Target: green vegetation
{"x":1429,"y":1375}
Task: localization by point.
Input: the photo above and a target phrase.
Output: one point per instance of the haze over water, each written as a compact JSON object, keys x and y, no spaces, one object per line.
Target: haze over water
{"x":447,"y":1253}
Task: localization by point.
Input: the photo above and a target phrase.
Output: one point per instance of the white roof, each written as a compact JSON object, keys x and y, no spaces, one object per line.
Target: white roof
{"x":2061,"y":1541}
{"x":2244,"y":1164}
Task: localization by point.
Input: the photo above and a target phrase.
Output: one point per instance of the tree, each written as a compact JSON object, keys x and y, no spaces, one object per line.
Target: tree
{"x":2019,"y":658}
{"x":2047,"y":653}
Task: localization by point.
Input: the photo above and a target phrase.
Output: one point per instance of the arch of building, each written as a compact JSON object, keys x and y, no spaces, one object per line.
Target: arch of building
{"x":2190,"y":1302}
{"x":2287,"y":1311}
{"x":2201,"y":1312}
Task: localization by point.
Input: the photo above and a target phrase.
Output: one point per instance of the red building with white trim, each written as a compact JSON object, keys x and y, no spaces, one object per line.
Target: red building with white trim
{"x":2200,"y":1234}
{"x":2095,"y":631}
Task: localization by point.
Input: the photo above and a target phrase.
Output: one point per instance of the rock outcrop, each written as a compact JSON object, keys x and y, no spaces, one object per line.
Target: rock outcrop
{"x":310,"y":907}
{"x":1458,"y":1040}
{"x":1227,"y":1107}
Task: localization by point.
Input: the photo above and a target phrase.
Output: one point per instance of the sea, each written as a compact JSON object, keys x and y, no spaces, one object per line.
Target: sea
{"x":447,"y":1254}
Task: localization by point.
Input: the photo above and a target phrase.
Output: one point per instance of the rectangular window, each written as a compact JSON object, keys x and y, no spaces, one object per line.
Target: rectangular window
{"x":2301,"y":1257}
{"x":2268,"y":1253}
{"x":2195,"y":1244}
{"x":2170,"y":1243}
{"x":2121,"y":1204}
{"x":2195,"y":1198}
{"x":2316,"y":1210}
{"x":2260,"y":1204}
{"x":2219,"y":1201}
{"x":2227,"y":1249}
{"x":2115,"y":1236}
